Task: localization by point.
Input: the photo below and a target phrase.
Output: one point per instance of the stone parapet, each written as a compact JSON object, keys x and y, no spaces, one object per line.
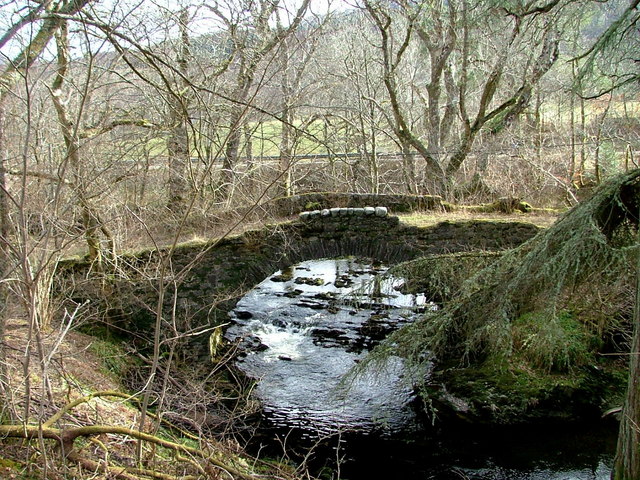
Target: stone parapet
{"x":332,"y":213}
{"x":395,"y":203}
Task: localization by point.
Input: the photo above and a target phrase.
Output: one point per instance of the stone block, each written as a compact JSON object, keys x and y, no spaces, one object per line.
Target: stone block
{"x":381,"y":211}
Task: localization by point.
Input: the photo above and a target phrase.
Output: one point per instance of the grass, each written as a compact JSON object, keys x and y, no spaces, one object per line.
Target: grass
{"x":265,"y":141}
{"x":542,"y":218}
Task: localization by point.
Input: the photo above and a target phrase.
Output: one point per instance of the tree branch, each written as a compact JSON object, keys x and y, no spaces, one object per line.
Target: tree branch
{"x":91,"y":132}
{"x":41,"y":175}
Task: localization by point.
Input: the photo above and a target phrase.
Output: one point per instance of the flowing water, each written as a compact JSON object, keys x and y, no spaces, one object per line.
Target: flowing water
{"x":301,"y":330}
{"x":305,"y":329}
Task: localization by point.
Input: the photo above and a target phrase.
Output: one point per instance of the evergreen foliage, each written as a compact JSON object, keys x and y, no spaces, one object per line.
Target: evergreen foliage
{"x":589,"y":249}
{"x":440,"y":277}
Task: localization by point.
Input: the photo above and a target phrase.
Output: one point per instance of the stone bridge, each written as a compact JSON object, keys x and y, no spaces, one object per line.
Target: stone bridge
{"x":204,"y":280}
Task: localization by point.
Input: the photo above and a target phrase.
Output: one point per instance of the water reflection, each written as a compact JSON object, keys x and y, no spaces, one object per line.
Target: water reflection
{"x":303,"y":329}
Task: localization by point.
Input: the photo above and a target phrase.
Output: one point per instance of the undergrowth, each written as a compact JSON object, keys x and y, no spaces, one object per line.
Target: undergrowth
{"x":557,"y":344}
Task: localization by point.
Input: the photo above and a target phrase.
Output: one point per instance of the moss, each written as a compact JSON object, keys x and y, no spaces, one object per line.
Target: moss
{"x":313,"y":206}
{"x":285,"y":275}
{"x":508,"y":393}
{"x":525,"y":207}
{"x":503,"y":205}
{"x":10,"y":468}
{"x":402,"y":208}
{"x":7,"y":463}
{"x":113,"y":358}
{"x":215,"y":341}
{"x":102,"y":330}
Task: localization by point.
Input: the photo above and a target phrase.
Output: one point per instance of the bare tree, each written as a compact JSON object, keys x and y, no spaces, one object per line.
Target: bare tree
{"x":252,"y":40}
{"x":50,"y":16}
{"x":296,"y":58}
{"x":450,"y":31}
{"x":91,"y":221}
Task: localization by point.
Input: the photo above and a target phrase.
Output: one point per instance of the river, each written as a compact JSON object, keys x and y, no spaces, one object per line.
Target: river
{"x":301,"y":330}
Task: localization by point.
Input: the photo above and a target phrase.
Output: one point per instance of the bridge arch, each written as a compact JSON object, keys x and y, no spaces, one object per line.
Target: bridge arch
{"x":209,"y":277}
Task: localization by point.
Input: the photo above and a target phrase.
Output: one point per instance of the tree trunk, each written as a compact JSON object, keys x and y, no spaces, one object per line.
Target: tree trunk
{"x":597,"y":166}
{"x":178,"y":143}
{"x":583,"y":136}
{"x":286,"y":144}
{"x":572,"y":124}
{"x":627,"y":462}
{"x":4,"y":256}
{"x":286,"y":189}
{"x":178,"y":152}
{"x":231,"y":152}
{"x":372,"y":155}
{"x":409,"y":169}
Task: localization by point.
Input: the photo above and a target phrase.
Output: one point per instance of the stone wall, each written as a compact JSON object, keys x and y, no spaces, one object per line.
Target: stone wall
{"x":386,"y":239}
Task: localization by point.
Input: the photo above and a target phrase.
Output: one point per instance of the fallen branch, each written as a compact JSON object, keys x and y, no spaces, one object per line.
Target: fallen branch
{"x":124,"y":473}
{"x":66,"y":437}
